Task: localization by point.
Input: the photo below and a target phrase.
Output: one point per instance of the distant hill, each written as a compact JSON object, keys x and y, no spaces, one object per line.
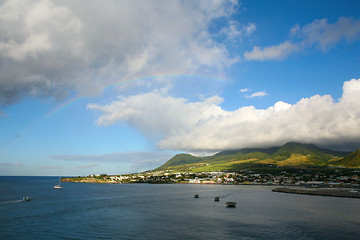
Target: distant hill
{"x":291,"y":154}
{"x":179,"y":159}
{"x":351,"y":160}
{"x":314,"y":155}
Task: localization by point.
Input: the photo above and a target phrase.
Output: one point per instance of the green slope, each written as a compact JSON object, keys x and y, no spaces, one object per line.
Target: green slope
{"x":179,"y":159}
{"x":315,"y":155}
{"x":351,"y":160}
{"x":271,"y":150}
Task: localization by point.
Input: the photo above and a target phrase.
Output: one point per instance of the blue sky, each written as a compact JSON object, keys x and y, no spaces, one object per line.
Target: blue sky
{"x":121,"y":86}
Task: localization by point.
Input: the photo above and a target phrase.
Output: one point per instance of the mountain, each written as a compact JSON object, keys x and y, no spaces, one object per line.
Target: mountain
{"x":351,"y":160}
{"x":248,"y":150}
{"x":292,"y":147}
{"x":291,"y":154}
{"x":179,"y":159}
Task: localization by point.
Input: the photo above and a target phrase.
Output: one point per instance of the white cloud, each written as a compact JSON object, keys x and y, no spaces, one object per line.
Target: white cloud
{"x":274,"y":52}
{"x":258,"y":94}
{"x":237,"y":31}
{"x":319,"y":33}
{"x":244,"y":90}
{"x":87,"y":166}
{"x":156,"y":115}
{"x":10,"y":164}
{"x":51,"y":167}
{"x":204,"y":126}
{"x":49,"y":48}
{"x":326,"y":35}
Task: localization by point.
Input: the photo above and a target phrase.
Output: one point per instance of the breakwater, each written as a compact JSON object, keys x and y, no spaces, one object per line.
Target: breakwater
{"x":330,"y":192}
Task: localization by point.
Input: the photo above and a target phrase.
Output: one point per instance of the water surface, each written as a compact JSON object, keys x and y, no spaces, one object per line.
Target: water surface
{"x":162,"y":211}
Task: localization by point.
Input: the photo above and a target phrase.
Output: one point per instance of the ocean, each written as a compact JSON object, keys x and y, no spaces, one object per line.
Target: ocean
{"x":168,"y":211}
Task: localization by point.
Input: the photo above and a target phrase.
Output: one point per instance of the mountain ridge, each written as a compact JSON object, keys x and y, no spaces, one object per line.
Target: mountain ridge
{"x":291,"y":154}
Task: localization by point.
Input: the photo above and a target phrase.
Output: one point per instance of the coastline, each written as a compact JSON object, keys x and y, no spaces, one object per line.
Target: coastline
{"x":329,"y":192}
{"x":86,"y":180}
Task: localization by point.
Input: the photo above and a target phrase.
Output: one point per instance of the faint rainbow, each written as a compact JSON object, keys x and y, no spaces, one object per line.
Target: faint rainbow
{"x":63,"y":105}
{"x":74,"y":100}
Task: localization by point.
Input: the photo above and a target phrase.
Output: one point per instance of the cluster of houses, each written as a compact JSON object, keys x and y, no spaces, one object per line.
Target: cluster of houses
{"x":308,"y":178}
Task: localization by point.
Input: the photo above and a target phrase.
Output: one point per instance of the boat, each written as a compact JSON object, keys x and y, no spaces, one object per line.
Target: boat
{"x":59,"y":186}
{"x":26,"y":198}
{"x":216,"y":199}
{"x":196,"y":196}
{"x":230,"y":204}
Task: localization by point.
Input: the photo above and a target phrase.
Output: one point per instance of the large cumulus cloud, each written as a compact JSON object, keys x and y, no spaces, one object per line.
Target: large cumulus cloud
{"x":204,"y":126}
{"x":50,"y":48}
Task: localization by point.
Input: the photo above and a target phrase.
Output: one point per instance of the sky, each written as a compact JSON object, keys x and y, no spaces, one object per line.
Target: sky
{"x":115,"y":87}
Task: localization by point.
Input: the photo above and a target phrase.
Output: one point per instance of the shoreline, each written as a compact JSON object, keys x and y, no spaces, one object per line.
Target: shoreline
{"x":328,"y":192}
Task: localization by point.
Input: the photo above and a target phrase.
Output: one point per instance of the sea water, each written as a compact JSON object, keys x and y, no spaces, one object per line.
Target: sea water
{"x":168,"y":211}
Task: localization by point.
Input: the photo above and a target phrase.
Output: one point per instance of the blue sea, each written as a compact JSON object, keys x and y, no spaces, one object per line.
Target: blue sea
{"x":168,"y":211}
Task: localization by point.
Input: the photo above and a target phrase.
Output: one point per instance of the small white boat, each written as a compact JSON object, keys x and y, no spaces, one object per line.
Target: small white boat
{"x":59,"y":186}
{"x":26,"y":198}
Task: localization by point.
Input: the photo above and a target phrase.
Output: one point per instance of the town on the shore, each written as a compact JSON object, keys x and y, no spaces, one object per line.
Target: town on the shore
{"x":278,"y":177}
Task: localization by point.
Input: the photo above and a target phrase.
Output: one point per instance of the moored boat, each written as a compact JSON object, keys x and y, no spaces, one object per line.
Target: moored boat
{"x":59,"y":186}
{"x":230,"y":204}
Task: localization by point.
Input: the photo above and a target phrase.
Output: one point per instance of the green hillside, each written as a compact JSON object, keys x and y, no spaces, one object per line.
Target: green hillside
{"x":179,"y":159}
{"x":291,"y":154}
{"x":315,"y":155}
{"x":271,"y":150}
{"x":351,"y":160}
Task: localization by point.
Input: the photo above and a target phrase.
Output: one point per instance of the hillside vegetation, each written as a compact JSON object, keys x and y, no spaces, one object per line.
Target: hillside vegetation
{"x":351,"y":160}
{"x":291,"y":155}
